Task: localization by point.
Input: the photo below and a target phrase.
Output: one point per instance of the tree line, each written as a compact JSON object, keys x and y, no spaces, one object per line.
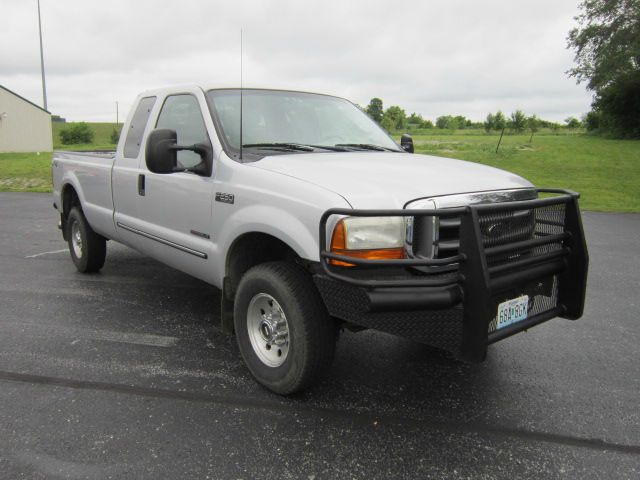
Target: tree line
{"x":607,"y":55}
{"x":395,"y":119}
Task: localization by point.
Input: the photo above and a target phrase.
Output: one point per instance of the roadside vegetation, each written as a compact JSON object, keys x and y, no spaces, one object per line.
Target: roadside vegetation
{"x":606,"y":43}
{"x":606,"y":172}
{"x":85,"y":136}
{"x":31,"y":172}
{"x":25,"y":172}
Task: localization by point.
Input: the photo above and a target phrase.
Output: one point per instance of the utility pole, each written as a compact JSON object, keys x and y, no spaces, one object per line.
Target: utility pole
{"x":117,"y":115}
{"x":44,"y":86}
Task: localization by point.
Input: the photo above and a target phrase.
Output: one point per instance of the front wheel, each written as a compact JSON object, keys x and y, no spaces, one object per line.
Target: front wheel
{"x":88,"y":249}
{"x":286,"y":337}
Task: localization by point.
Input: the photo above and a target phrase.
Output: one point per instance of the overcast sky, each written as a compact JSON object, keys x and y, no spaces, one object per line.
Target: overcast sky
{"x":431,"y":57}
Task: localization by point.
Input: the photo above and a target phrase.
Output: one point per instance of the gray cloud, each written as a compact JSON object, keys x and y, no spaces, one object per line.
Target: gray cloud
{"x":458,"y":57}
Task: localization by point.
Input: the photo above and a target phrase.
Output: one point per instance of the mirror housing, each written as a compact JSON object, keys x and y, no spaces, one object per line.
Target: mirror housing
{"x":161,"y":153}
{"x":406,"y":142}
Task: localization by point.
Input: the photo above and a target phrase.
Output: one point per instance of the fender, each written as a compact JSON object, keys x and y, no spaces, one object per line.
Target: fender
{"x":300,"y":237}
{"x":70,"y":179}
{"x":99,"y":217}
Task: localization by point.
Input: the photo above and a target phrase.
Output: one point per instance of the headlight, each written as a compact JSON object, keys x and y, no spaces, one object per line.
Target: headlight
{"x":369,"y":237}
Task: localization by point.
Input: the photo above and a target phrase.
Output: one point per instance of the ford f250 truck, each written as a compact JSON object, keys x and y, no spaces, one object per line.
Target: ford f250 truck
{"x":310,"y":218}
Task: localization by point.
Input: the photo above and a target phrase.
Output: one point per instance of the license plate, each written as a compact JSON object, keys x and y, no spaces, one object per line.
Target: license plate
{"x":512,"y":311}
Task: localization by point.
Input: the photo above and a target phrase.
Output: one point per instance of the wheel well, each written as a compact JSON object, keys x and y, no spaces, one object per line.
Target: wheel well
{"x":247,"y":251}
{"x":70,"y":199}
{"x":250,"y":250}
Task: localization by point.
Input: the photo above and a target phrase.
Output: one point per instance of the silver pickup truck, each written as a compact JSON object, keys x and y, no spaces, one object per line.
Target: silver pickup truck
{"x":310,"y":218}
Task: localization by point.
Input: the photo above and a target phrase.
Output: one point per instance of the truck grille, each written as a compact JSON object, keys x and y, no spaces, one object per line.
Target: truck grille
{"x":442,"y":239}
{"x":434,"y":237}
{"x":544,"y":222}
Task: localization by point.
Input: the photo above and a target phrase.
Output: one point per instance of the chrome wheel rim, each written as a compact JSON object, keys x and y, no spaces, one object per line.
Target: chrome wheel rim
{"x":76,"y":240}
{"x":268,"y":330}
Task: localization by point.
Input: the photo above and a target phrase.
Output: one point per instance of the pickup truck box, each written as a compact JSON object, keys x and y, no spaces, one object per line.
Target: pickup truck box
{"x":310,"y":218}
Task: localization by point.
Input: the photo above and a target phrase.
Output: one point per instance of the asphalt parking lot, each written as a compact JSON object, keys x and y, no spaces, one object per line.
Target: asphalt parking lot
{"x":124,"y":375}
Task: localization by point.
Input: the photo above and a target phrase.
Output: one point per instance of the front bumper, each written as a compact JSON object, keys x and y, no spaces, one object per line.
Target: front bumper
{"x":452,"y":302}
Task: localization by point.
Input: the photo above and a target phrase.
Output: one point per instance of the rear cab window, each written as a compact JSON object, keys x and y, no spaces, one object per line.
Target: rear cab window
{"x":136,"y":128}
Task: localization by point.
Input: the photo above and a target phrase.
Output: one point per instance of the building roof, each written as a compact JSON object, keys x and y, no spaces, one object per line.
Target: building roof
{"x":22,"y":98}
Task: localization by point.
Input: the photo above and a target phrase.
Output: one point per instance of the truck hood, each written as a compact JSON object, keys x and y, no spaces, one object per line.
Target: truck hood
{"x":390,"y":180}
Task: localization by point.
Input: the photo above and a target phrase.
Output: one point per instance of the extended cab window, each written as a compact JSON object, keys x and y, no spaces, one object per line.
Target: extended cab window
{"x":137,"y":126}
{"x":182,"y":114}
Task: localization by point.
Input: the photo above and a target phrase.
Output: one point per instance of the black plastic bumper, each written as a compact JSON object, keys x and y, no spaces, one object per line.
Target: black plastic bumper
{"x":452,"y":303}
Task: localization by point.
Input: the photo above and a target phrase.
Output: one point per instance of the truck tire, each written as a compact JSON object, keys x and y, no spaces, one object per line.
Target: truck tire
{"x":88,"y":249}
{"x":286,"y":337}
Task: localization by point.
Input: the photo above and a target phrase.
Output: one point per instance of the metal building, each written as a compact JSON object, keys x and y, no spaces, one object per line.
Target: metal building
{"x":24,"y":126}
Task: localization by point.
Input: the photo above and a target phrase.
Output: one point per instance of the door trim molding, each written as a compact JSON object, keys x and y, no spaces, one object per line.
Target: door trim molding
{"x":163,"y":241}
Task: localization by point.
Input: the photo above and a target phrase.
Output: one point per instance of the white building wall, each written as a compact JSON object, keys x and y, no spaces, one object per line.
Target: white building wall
{"x":23,"y":126}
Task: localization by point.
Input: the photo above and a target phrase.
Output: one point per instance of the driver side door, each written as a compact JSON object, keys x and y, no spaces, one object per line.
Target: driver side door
{"x":176,"y":208}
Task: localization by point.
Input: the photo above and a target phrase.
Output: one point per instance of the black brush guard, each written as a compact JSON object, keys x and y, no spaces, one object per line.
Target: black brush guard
{"x":550,"y":264}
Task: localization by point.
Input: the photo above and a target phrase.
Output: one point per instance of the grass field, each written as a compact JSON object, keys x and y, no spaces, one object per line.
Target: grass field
{"x":606,"y":172}
{"x":25,"y":172}
{"x":101,"y":140}
{"x":31,"y":172}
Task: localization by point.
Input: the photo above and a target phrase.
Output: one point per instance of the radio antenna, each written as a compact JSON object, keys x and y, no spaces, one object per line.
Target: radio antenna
{"x":241,"y":89}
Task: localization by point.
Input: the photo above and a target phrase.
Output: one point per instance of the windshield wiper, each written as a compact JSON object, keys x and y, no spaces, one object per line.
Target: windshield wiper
{"x":366,"y":146}
{"x":334,"y":148}
{"x":281,"y":145}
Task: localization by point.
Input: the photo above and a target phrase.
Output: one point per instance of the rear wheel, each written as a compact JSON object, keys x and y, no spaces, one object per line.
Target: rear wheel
{"x":286,"y":337}
{"x":88,"y":249}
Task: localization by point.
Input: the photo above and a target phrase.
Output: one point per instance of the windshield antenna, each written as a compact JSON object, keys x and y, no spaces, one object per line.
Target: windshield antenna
{"x":241,"y":88}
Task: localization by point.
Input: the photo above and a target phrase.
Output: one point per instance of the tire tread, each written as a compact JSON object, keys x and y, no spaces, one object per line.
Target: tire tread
{"x":320,"y":338}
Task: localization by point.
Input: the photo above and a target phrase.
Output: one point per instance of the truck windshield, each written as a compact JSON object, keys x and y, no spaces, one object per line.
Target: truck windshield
{"x":295,"y":122}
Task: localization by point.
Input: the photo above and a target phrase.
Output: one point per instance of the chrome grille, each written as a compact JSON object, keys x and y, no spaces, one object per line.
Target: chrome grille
{"x":434,"y":237}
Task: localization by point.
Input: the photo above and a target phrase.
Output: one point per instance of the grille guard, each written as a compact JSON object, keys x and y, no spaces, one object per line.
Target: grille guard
{"x":557,"y":252}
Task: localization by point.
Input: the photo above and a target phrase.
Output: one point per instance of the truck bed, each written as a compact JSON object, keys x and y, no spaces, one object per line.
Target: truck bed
{"x":90,"y":174}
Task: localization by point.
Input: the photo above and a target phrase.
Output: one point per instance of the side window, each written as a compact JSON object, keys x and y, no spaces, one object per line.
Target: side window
{"x":182,"y":114}
{"x":136,"y":128}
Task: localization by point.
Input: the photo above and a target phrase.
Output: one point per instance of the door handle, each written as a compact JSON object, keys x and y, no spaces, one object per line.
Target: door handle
{"x":141,"y":182}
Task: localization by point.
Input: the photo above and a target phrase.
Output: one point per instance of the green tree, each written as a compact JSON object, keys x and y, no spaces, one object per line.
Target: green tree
{"x":76,"y":134}
{"x":533,"y":122}
{"x":427,"y":124}
{"x":518,"y":121}
{"x":460,"y":122}
{"x":415,"y":119}
{"x":449,"y":122}
{"x":499,"y":120}
{"x":607,"y":55}
{"x":375,"y":109}
{"x":592,"y":121}
{"x":618,"y":106}
{"x":395,"y":117}
{"x":387,"y":124}
{"x":572,"y":122}
{"x":443,"y":121}
{"x":115,"y":135}
{"x":489,"y":122}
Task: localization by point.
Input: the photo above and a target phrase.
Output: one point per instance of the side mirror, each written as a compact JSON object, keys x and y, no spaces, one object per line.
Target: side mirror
{"x":161,"y":153}
{"x":406,"y":142}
